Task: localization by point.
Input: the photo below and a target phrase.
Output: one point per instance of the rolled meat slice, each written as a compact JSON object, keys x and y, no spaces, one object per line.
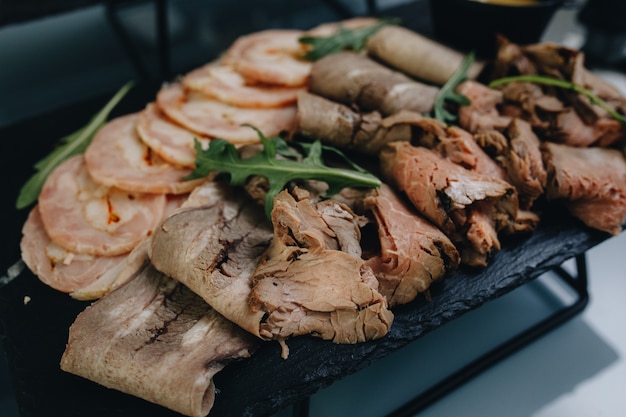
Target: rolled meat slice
{"x":155,"y":339}
{"x":221,"y":82}
{"x":85,"y":217}
{"x":417,"y":55}
{"x":215,"y":119}
{"x":172,"y":142}
{"x":116,"y":157}
{"x":338,"y":125}
{"x":352,"y":78}
{"x":273,"y":56}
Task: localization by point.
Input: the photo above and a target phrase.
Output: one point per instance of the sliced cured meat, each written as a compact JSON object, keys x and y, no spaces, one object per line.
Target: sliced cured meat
{"x":116,"y":157}
{"x":590,"y":181}
{"x":413,"y":252}
{"x":156,"y":340}
{"x":213,"y":249}
{"x":57,"y":267}
{"x":172,"y":142}
{"x":272,"y":56}
{"x":329,"y":29}
{"x":213,"y":118}
{"x":308,"y":283}
{"x":223,"y":83}
{"x":85,"y":217}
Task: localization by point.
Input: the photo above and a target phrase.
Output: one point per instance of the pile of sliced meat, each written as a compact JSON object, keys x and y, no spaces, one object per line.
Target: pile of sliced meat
{"x":191,"y":274}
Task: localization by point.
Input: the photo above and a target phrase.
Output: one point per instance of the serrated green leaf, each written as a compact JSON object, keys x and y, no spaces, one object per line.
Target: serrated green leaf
{"x":68,"y":146}
{"x":353,"y":39}
{"x":222,"y":156}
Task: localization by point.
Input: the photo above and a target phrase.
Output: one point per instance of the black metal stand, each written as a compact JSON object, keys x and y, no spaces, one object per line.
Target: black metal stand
{"x":578,"y":283}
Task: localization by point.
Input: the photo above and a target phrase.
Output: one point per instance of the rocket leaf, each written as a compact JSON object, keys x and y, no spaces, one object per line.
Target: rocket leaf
{"x":70,"y":145}
{"x":222,"y":156}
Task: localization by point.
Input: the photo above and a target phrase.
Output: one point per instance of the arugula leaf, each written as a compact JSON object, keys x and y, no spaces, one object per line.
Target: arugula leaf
{"x":353,"y":39}
{"x":448,"y":93}
{"x":222,"y":156}
{"x":70,"y":145}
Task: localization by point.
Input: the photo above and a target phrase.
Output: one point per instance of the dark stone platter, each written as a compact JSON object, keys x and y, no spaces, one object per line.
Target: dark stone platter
{"x":34,"y":333}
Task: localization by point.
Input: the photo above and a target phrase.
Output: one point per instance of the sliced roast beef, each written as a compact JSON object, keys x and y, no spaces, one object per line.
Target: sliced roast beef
{"x":312,"y":279}
{"x":413,"y":252}
{"x":447,"y":193}
{"x":590,"y":181}
{"x":351,"y":78}
{"x":155,"y":339}
{"x":562,"y":114}
{"x":483,"y":111}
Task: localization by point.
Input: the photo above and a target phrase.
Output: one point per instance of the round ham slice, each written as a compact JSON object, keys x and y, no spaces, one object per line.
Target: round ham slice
{"x":85,"y":217}
{"x":223,"y":83}
{"x":57,"y":267}
{"x":272,"y":56}
{"x":219,"y":120}
{"x":172,"y":142}
{"x":117,"y":157}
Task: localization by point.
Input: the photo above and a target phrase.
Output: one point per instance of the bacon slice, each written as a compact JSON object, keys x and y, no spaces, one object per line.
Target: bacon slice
{"x":219,"y":120}
{"x":57,"y":267}
{"x":117,"y":157}
{"x":223,"y":83}
{"x":172,"y":142}
{"x":272,"y":56}
{"x":155,"y":339}
{"x":85,"y":217}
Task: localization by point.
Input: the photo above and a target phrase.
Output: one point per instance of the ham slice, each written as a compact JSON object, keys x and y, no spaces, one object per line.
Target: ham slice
{"x":85,"y":217}
{"x":223,"y":83}
{"x":272,"y":56}
{"x":215,"y":119}
{"x":155,"y":339}
{"x":57,"y":267}
{"x":172,"y":142}
{"x":116,"y":157}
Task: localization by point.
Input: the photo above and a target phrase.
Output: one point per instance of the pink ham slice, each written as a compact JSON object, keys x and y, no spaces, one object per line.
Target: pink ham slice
{"x":272,"y":56}
{"x":85,"y":217}
{"x":172,"y":142}
{"x":57,"y":267}
{"x":118,"y":158}
{"x":215,"y":119}
{"x":223,"y":83}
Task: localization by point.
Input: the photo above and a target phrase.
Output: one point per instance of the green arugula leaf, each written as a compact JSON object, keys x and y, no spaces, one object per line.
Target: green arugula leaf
{"x":448,"y":94}
{"x":70,"y":145}
{"x":353,"y":39}
{"x":222,"y":156}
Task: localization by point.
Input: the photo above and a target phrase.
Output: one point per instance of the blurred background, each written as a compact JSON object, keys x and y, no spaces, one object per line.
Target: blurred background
{"x":54,"y":54}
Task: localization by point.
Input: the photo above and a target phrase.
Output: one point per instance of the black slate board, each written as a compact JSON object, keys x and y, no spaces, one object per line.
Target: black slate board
{"x":34,"y":333}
